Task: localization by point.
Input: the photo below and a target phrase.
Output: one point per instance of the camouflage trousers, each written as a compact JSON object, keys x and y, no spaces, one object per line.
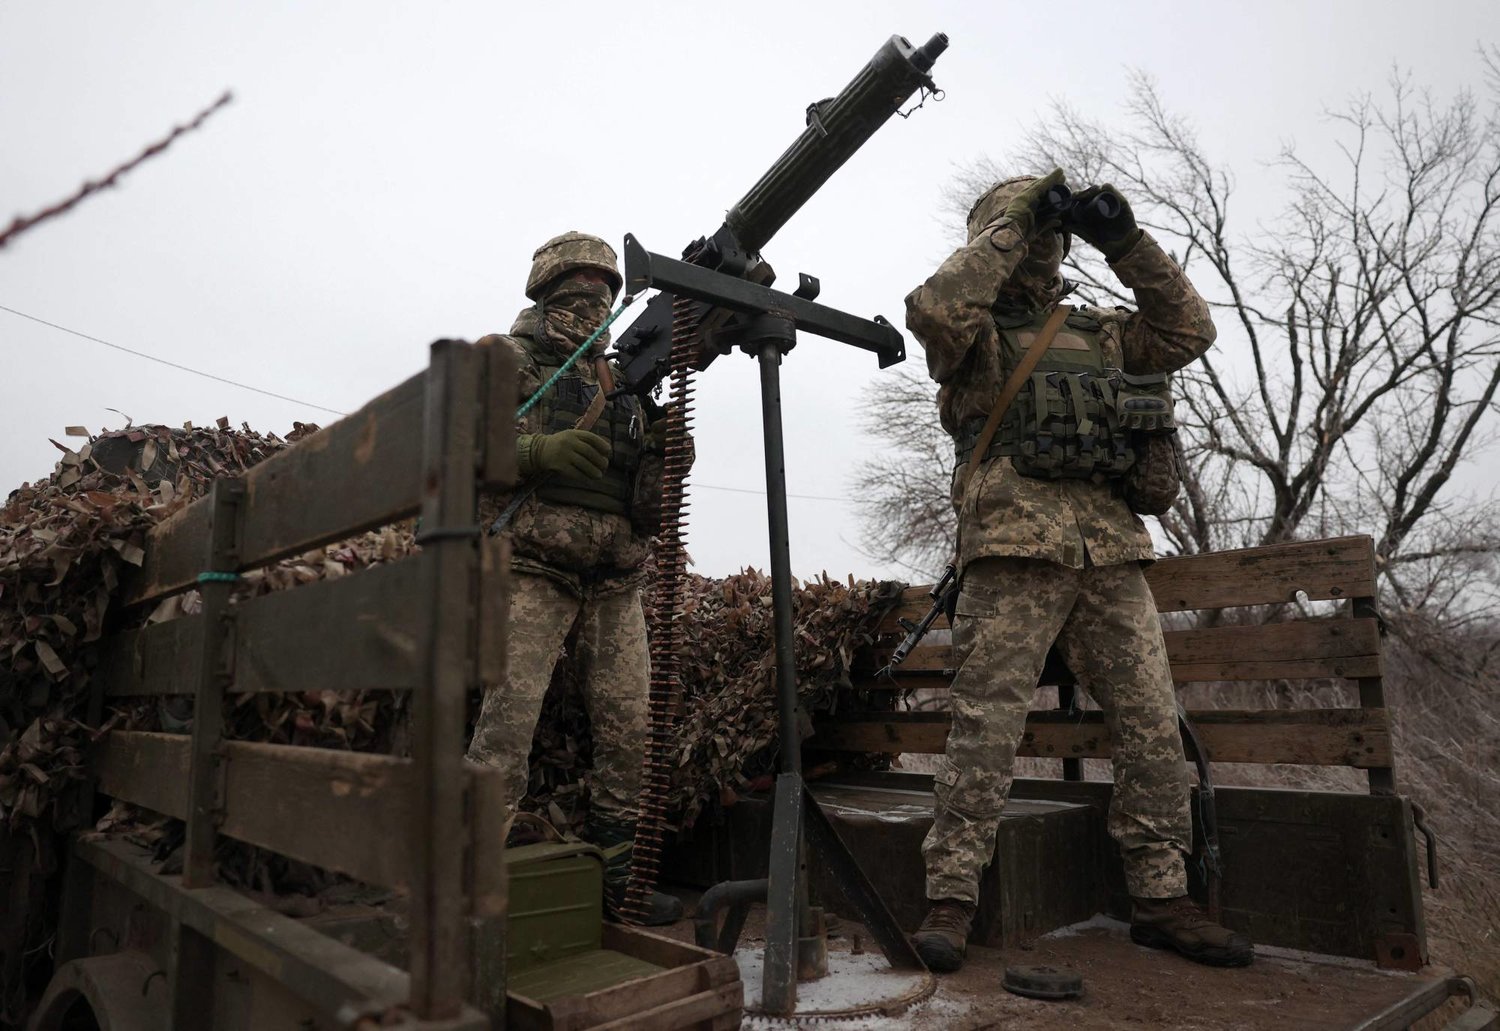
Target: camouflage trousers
{"x":1103,"y":618}
{"x":616,"y":687}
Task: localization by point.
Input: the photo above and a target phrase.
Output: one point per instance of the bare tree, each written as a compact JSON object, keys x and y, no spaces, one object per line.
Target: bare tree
{"x":1359,"y":352}
{"x":906,"y":503}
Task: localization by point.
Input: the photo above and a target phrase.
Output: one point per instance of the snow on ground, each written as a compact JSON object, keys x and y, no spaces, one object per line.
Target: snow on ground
{"x":853,"y":981}
{"x":1097,"y":922}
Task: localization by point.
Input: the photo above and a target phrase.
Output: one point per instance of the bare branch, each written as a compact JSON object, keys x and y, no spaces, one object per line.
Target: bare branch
{"x":22,"y":223}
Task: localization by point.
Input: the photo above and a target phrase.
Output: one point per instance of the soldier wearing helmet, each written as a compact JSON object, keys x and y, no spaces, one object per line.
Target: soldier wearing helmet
{"x":1050,"y":548}
{"x":580,"y":526}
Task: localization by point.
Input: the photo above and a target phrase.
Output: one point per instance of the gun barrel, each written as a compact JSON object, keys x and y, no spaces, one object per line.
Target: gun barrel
{"x":836,"y":129}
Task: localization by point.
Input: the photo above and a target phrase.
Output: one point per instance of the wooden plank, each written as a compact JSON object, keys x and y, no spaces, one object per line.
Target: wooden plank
{"x":338,"y":810}
{"x":335,"y":979}
{"x":1334,"y":568}
{"x":174,"y":555}
{"x":664,"y":951}
{"x":448,"y":654}
{"x":1296,"y":650}
{"x":158,"y":659}
{"x":502,"y":397}
{"x":682,"y":1013}
{"x":341,"y":811}
{"x":1337,"y":568}
{"x":215,"y":671}
{"x":359,"y":473}
{"x":1316,"y":737}
{"x":488,"y":890}
{"x":915,"y":603}
{"x":145,"y":769}
{"x":282,"y":640}
{"x":285,"y":640}
{"x":584,"y":1012}
{"x":928,"y":661}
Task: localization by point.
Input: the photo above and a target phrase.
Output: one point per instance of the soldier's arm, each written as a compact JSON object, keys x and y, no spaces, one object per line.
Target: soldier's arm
{"x":950,"y":313}
{"x":1171,"y":326}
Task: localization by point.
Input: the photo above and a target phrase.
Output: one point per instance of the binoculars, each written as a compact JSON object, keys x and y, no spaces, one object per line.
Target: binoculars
{"x":1060,"y":203}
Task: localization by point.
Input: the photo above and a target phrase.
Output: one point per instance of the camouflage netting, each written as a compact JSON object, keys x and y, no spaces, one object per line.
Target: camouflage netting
{"x":67,"y":542}
{"x":728,"y":723}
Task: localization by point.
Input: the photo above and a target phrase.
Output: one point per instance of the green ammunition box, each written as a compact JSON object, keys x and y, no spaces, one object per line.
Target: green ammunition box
{"x":554,"y":942}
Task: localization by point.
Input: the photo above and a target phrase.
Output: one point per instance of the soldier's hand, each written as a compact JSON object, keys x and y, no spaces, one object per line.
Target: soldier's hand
{"x":1023,"y":208}
{"x":1102,"y":217}
{"x":571,"y":453}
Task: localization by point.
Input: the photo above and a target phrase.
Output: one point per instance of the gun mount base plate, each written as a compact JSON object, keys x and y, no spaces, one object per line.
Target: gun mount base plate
{"x":859,"y":987}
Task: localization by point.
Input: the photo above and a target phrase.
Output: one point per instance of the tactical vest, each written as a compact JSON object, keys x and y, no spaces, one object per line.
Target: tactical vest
{"x":1074,"y":417}
{"x":621,"y":423}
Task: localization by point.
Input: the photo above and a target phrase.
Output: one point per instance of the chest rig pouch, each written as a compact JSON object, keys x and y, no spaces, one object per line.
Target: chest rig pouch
{"x":1074,"y":417}
{"x":622,"y":424}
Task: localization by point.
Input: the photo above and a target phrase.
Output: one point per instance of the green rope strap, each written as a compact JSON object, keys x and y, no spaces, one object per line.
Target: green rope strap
{"x":217,"y":578}
{"x":583,"y":348}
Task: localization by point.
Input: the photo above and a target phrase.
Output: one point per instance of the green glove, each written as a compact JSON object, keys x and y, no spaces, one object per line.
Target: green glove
{"x":1113,"y":234}
{"x":576,"y":453}
{"x":1023,"y":207}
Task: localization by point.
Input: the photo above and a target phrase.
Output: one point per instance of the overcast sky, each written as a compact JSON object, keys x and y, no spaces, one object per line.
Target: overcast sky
{"x":387,"y":169}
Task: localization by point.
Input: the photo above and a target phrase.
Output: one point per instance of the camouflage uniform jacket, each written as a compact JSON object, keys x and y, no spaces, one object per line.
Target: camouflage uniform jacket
{"x":1004,"y":513}
{"x":569,"y":544}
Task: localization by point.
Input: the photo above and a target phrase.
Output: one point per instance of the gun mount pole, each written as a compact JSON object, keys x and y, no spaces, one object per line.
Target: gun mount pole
{"x":796,"y":946}
{"x":791,"y":948}
{"x":772,"y":347}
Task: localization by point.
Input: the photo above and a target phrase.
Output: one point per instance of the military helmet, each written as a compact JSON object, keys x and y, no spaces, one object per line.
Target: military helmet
{"x":568,"y":253}
{"x":993,"y":202}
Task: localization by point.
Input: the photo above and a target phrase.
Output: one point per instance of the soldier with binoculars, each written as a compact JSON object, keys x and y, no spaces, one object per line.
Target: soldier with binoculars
{"x":1062,"y":429}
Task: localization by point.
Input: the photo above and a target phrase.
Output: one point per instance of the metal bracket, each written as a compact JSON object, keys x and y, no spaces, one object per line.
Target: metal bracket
{"x":1399,"y":950}
{"x":645,"y":270}
{"x":829,"y":848}
{"x":1419,"y":821}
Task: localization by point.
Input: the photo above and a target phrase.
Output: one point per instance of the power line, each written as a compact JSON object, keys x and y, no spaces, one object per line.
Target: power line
{"x":174,"y":365}
{"x":746,"y":490}
{"x":322,"y":408}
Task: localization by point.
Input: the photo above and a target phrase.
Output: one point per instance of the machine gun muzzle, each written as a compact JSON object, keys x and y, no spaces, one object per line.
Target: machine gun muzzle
{"x":836,"y":128}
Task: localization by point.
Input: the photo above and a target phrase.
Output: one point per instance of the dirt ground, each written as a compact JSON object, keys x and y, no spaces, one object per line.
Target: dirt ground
{"x":1126,"y":986}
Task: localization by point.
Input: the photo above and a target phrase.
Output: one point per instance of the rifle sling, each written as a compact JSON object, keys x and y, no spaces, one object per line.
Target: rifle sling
{"x":585,"y":421}
{"x":1017,"y":378}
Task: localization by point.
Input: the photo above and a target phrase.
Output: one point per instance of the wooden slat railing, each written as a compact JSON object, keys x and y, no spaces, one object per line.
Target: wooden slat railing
{"x":1344,"y":648}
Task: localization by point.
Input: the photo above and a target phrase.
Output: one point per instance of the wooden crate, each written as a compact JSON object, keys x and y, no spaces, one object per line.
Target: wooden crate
{"x":687,"y":987}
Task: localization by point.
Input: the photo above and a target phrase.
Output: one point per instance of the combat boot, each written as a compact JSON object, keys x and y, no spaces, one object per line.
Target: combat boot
{"x":1180,"y":925}
{"x":943,"y":938}
{"x":616,"y":839}
{"x":661,"y":908}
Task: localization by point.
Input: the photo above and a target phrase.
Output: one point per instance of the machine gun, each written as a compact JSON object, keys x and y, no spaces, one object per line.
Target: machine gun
{"x":944,"y":596}
{"x":836,"y":128}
